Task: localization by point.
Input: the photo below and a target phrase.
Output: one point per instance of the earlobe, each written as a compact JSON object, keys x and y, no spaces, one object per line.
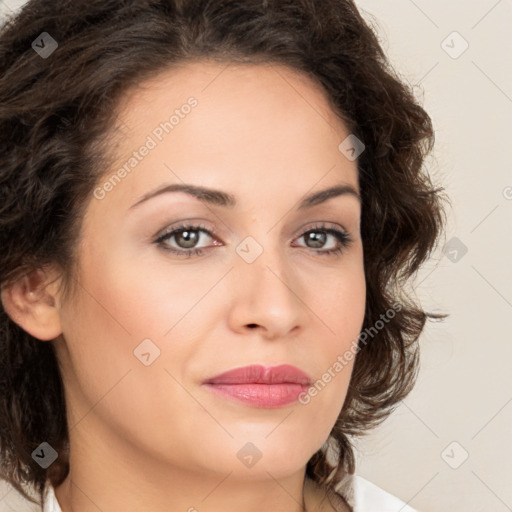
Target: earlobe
{"x":34,"y":305}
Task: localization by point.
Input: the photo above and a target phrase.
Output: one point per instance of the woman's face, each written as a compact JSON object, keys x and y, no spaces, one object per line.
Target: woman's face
{"x":149,"y":326}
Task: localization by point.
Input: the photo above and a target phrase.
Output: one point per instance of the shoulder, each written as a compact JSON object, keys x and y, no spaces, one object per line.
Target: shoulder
{"x":364,"y":496}
{"x":14,"y":500}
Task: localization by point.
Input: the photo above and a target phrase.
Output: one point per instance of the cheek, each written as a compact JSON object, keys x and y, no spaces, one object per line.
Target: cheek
{"x":102,"y":327}
{"x":341,"y":303}
{"x":343,"y":309}
{"x":127,"y":310}
{"x":105,"y":379}
{"x":153,"y":297}
{"x":147,"y":297}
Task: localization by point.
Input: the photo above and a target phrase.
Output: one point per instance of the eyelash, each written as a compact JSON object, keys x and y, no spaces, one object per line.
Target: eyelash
{"x":343,"y":238}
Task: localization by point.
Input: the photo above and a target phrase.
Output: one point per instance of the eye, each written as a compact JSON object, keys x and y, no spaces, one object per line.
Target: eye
{"x":317,"y":236}
{"x":187,"y":236}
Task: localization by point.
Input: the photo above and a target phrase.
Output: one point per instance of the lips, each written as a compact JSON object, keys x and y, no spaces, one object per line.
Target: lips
{"x":266,"y":387}
{"x":260,"y":374}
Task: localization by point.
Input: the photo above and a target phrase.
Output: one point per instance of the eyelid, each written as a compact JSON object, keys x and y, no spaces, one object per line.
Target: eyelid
{"x":174,"y":226}
{"x":320,"y":224}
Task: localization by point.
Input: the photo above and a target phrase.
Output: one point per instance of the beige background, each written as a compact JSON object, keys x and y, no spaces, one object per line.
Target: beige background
{"x":464,"y":392}
{"x":462,"y":404}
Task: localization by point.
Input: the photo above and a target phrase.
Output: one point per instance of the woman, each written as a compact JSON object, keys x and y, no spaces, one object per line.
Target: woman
{"x":209,"y":211}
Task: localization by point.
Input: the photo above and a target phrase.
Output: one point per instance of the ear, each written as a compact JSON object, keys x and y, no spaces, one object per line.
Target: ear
{"x":33,"y":303}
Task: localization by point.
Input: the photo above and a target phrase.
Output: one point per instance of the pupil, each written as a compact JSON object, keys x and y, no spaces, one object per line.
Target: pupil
{"x":190,"y":238}
{"x":317,"y":238}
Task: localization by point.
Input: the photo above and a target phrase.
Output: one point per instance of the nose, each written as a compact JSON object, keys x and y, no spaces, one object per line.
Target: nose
{"x":265,"y":296}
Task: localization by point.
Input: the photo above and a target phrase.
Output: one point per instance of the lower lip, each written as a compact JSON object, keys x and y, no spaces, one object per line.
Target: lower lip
{"x":260,"y":395}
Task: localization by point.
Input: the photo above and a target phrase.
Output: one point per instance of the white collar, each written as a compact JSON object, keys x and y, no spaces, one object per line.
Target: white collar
{"x":50,"y":500}
{"x":364,"y":496}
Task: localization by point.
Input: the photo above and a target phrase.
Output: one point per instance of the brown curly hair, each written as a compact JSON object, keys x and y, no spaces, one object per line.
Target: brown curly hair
{"x":57,"y":116}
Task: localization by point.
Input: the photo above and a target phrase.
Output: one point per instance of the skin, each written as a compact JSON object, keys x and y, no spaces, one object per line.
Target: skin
{"x":152,"y":437}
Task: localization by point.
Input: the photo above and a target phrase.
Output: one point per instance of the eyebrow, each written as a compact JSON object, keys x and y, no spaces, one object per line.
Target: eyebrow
{"x":226,"y":200}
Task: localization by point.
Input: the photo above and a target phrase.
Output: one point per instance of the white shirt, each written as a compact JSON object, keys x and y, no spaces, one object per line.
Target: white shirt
{"x":360,"y":494}
{"x":368,"y":497}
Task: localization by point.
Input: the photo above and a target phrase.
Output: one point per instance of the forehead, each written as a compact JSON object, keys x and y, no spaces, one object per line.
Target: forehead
{"x":238,"y":94}
{"x":234,"y":79}
{"x":250,"y":125}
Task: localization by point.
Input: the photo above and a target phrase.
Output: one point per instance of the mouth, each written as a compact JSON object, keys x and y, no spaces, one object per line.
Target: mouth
{"x":261,"y":386}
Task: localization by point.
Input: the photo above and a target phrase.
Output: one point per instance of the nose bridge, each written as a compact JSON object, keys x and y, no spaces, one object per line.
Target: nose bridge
{"x":264,"y":286}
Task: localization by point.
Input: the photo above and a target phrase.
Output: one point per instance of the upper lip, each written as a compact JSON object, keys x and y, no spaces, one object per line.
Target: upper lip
{"x":261,"y":374}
